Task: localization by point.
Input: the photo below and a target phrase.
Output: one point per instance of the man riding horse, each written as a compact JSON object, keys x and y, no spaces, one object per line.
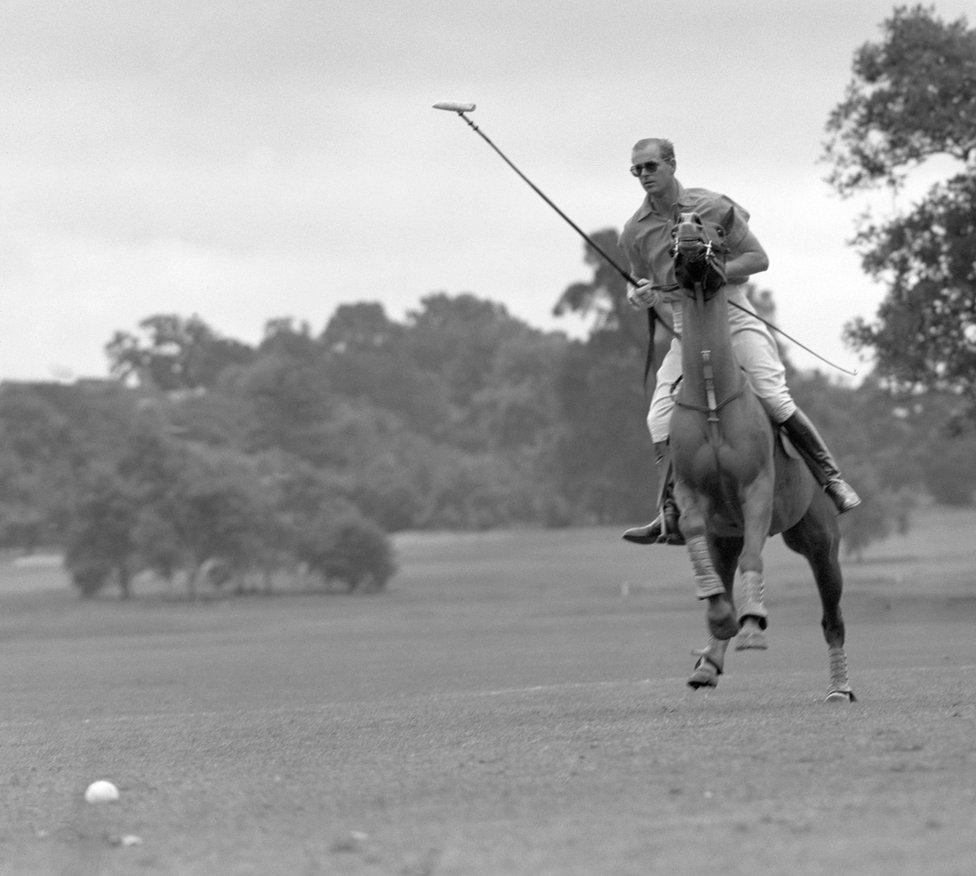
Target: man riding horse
{"x":647,"y":242}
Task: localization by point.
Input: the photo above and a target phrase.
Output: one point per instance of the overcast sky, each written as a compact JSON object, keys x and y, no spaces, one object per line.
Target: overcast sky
{"x":249,"y":160}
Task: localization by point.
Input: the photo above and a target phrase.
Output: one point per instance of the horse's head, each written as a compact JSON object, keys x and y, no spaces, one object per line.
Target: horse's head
{"x":699,"y":251}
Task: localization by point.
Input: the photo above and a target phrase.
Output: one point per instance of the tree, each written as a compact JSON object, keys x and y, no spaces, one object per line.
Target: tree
{"x":99,"y":543}
{"x":380,"y":463}
{"x":763,"y":301}
{"x":43,"y":451}
{"x":949,"y":474}
{"x":603,"y":300}
{"x":457,"y":338}
{"x":362,"y":327}
{"x":603,"y":455}
{"x":518,"y":407}
{"x":912,"y":98}
{"x":287,"y":396}
{"x":157,"y":543}
{"x":219,"y":509}
{"x":349,"y":549}
{"x":174,"y":353}
{"x":369,"y":361}
{"x":883,"y":510}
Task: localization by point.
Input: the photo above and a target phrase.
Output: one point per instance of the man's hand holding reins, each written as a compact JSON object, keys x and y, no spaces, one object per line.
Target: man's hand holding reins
{"x":645,"y":294}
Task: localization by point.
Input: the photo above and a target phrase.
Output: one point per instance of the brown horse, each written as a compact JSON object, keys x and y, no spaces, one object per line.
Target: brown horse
{"x":735,"y":481}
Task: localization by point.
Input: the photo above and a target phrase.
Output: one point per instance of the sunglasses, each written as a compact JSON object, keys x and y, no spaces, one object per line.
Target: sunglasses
{"x":649,"y":166}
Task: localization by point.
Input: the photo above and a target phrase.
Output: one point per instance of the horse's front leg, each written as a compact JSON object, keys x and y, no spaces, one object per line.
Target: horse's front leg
{"x":710,"y":665}
{"x":720,"y":615}
{"x":711,"y":659}
{"x":757,"y":512}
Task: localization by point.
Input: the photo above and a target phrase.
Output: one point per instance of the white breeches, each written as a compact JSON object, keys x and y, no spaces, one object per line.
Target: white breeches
{"x":756,"y":352}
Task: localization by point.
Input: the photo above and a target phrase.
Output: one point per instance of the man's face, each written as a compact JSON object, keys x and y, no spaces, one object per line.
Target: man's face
{"x":656,"y":176}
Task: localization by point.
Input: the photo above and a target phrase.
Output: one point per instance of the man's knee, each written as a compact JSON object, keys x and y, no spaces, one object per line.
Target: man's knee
{"x":659,"y":418}
{"x":780,"y":408}
{"x":658,"y":425}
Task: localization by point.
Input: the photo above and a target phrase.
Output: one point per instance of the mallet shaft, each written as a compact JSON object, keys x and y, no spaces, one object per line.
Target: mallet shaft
{"x":462,"y":108}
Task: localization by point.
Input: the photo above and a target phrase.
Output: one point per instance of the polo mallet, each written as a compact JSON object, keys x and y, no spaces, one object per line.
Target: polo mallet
{"x":462,"y":108}
{"x":652,"y":317}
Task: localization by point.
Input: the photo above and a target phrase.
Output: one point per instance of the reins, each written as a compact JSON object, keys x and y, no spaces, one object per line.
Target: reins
{"x":713,"y":406}
{"x":652,"y":318}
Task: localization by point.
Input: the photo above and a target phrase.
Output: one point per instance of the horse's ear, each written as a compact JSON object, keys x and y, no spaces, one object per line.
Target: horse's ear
{"x":728,"y":220}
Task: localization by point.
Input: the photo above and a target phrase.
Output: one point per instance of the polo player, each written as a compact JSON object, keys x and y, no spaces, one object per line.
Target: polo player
{"x":647,"y":241}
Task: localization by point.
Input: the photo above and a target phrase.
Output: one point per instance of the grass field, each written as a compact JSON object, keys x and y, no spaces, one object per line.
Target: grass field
{"x":515,"y":703}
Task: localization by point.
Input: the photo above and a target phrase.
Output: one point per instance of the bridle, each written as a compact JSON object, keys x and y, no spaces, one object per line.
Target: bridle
{"x":699,"y":255}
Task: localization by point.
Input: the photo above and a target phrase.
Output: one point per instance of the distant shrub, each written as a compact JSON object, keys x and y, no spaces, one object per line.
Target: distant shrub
{"x":89,"y":575}
{"x":883,"y":511}
{"x":98,"y":544}
{"x":351,"y":550}
{"x":949,"y":473}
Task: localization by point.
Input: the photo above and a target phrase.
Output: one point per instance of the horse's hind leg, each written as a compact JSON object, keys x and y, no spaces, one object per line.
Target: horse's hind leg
{"x":817,"y":538}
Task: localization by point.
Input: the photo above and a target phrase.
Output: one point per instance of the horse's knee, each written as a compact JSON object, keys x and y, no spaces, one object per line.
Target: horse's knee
{"x":690,"y":521}
{"x":690,"y":529}
{"x":750,"y":561}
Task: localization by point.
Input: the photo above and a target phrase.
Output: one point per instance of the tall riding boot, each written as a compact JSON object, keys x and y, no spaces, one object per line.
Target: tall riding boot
{"x":663,"y":529}
{"x":811,"y":446}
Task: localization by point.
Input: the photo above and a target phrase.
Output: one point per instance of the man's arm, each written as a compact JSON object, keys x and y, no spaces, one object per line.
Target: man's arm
{"x":646,"y":294}
{"x":750,"y":258}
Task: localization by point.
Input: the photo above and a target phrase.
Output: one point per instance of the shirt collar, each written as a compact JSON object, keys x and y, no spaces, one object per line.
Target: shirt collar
{"x":680,"y":202}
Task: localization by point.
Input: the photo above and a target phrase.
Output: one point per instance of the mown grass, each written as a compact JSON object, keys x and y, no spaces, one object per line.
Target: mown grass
{"x":514,"y":703}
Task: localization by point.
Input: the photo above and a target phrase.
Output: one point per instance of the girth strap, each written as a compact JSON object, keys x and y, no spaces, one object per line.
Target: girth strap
{"x":704,"y":409}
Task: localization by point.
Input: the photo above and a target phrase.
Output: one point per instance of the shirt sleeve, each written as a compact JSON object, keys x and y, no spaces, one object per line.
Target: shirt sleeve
{"x":626,"y":243}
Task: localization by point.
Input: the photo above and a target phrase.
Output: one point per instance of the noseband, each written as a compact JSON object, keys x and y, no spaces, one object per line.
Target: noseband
{"x":699,"y":251}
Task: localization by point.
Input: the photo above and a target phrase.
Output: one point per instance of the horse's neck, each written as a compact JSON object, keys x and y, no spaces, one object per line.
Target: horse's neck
{"x":705,"y":327}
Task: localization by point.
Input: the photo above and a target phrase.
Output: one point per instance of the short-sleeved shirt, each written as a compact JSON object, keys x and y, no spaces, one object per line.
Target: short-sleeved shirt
{"x":646,"y":238}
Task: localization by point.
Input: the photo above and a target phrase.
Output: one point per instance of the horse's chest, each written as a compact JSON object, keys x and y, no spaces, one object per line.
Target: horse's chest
{"x":713,"y":468}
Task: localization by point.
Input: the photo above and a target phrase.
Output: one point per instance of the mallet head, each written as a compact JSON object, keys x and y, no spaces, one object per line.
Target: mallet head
{"x":452,"y":107}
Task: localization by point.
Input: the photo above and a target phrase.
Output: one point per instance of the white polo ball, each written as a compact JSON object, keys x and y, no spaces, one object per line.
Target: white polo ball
{"x":101,"y":792}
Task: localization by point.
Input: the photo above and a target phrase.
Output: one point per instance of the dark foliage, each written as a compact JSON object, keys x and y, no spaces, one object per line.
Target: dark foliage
{"x":309,"y":449}
{"x":913,"y":98}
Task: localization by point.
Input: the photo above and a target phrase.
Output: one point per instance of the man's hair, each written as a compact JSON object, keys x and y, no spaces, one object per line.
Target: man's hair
{"x":664,"y":147}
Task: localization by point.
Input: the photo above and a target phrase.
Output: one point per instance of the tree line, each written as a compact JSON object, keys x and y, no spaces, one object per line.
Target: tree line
{"x":307,"y":449}
{"x":211,"y":459}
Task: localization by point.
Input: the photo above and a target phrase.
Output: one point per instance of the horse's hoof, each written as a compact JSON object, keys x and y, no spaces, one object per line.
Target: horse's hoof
{"x":705,"y":674}
{"x":722,"y":622}
{"x":751,"y":640}
{"x":840,"y":696}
